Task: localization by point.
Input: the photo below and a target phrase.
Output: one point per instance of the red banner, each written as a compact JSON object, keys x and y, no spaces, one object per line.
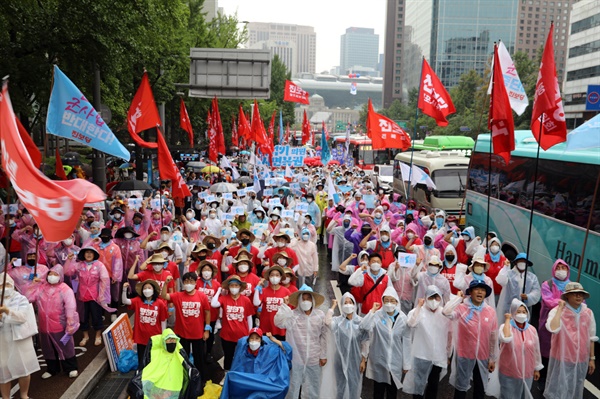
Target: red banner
{"x":216,"y":120}
{"x":369,"y":109}
{"x":500,"y":119}
{"x":294,"y":93}
{"x":243,"y":126}
{"x":257,"y":129}
{"x":234,"y":133}
{"x":143,"y":114}
{"x":55,"y":205}
{"x":212,"y":138}
{"x":169,"y":171}
{"x":286,"y":137}
{"x":184,"y":122}
{"x":59,"y":171}
{"x":385,"y":133}
{"x":434,"y":100}
{"x":548,"y":117}
{"x":305,"y":129}
{"x":34,"y":151}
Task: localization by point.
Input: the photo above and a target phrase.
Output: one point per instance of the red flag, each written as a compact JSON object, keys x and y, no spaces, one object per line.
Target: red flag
{"x":213,"y":153}
{"x":34,"y":152}
{"x":286,"y":137}
{"x":143,"y":114}
{"x":257,"y":129}
{"x":169,"y":171}
{"x":500,"y":119}
{"x":305,"y":129}
{"x":548,"y":117}
{"x":369,"y":109}
{"x":434,"y":100}
{"x":385,"y":133}
{"x":234,"y":132}
{"x":59,"y":171}
{"x":243,"y":125}
{"x":185,"y":123}
{"x":216,"y":118}
{"x":294,"y":93}
{"x":55,"y":205}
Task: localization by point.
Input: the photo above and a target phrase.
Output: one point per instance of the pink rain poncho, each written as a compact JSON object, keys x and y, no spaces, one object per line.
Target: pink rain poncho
{"x":570,"y":352}
{"x":519,"y":357}
{"x":23,"y":277}
{"x":551,"y":292}
{"x":94,"y":282}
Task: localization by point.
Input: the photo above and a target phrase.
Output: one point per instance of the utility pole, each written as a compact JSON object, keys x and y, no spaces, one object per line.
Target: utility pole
{"x":98,"y":159}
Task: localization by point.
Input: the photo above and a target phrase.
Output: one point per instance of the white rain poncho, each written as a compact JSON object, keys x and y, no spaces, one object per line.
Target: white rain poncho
{"x":390,"y":346}
{"x":425,"y":279}
{"x":512,"y":287}
{"x":431,"y":344}
{"x":351,"y":343}
{"x":569,"y":352}
{"x":519,"y":357}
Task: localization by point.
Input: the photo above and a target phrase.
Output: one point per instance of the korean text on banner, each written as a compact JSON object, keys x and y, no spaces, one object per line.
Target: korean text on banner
{"x":294,"y":93}
{"x":117,"y":338}
{"x":286,"y":155}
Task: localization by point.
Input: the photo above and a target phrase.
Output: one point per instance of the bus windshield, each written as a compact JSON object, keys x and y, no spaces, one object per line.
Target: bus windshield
{"x":450,"y":183}
{"x":373,"y":157}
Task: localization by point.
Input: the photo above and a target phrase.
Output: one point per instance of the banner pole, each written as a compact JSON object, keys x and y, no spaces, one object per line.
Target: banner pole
{"x":8,"y":243}
{"x":587,"y":230}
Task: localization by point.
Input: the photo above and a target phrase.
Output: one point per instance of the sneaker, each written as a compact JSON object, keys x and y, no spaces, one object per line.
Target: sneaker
{"x":46,"y":375}
{"x":113,"y":317}
{"x":73,"y":374}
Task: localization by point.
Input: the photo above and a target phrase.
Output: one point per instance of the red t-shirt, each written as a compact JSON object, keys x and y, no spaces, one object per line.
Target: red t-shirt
{"x":271,"y":300}
{"x":251,"y":281}
{"x":216,"y":259}
{"x":292,"y":288}
{"x":210,"y":292}
{"x":147,"y":319}
{"x":450,"y":275}
{"x":160,"y":278}
{"x":493,"y":271}
{"x":290,"y":252}
{"x":235,"y":317}
{"x":233,"y":251}
{"x":173,"y":269}
{"x":189,"y":314}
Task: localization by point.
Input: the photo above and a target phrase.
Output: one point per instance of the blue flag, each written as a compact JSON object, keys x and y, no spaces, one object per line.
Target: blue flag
{"x":325,"y":153}
{"x":70,"y":115}
{"x":280,"y":128}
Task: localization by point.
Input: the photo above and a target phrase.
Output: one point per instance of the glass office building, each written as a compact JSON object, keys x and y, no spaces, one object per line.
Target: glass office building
{"x":455,"y":36}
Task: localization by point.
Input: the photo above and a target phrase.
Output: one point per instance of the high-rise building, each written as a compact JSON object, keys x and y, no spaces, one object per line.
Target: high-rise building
{"x":393,"y":52}
{"x":533,"y":23}
{"x":211,"y":8}
{"x":297,"y":41}
{"x":582,"y":66}
{"x":359,"y":48}
{"x":455,"y":36}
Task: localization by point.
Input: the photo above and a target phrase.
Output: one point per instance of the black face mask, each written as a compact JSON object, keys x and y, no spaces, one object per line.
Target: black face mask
{"x":171,"y":347}
{"x":201,"y":257}
{"x":427,"y":241}
{"x":31,"y":262}
{"x":245,"y":241}
{"x":211,"y":245}
{"x":366,"y":231}
{"x":105,"y":239}
{"x":450,"y":258}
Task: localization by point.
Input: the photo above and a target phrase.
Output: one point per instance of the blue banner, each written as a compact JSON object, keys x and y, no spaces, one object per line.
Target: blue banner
{"x":592,"y":101}
{"x":70,"y":115}
{"x":325,"y":153}
{"x":285,"y":155}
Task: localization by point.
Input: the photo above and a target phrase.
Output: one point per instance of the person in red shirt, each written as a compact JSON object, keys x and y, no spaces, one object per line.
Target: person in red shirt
{"x":496,"y":259}
{"x":167,"y":252}
{"x":246,"y":239}
{"x":192,"y":317}
{"x":270,"y":298}
{"x":289,"y":281}
{"x":372,"y":281}
{"x":282,"y":242}
{"x":242,"y":266}
{"x":150,"y":314}
{"x":199,"y":254}
{"x":208,"y":284}
{"x":237,"y":316}
{"x":157,"y":272}
{"x":212,"y":244}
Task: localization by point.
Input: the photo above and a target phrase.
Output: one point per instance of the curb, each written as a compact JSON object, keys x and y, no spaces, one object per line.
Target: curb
{"x":89,"y":378}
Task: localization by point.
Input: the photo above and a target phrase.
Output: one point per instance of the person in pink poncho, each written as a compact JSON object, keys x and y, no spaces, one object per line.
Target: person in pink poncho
{"x":94,"y":290}
{"x":24,"y":275}
{"x":58,"y":321}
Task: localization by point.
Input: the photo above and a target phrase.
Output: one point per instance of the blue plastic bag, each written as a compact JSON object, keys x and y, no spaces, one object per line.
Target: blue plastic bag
{"x":128,"y":361}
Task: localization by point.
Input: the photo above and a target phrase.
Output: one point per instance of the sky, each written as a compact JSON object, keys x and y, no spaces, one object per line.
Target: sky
{"x":330,"y":18}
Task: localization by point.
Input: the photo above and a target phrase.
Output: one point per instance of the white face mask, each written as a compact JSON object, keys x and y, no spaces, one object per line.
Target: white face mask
{"x":375,"y":267}
{"x":348,"y":308}
{"x":274,"y":218}
{"x":466,"y":238}
{"x":410,"y":236}
{"x":385,"y":238}
{"x":275,"y":280}
{"x":53,"y":279}
{"x":433,"y":269}
{"x":377,"y":215}
{"x":364,"y":263}
{"x":243,"y":268}
{"x":305,"y":237}
{"x":253,"y":345}
{"x":281,"y":244}
{"x":494,"y":249}
{"x":68,"y":242}
{"x":157,"y":267}
{"x":164,"y":237}
{"x":212,"y":215}
{"x":521,"y":265}
{"x":306,"y":305}
{"x":165,"y":254}
{"x":282,"y":262}
{"x":433,"y":304}
{"x":207,"y":275}
{"x":234,"y":290}
{"x":189,"y":215}
{"x":306,"y":221}
{"x":128,"y":235}
{"x":148,"y":292}
{"x":389,"y":307}
{"x":478,"y":269}
{"x":8,"y":291}
{"x":521,"y":317}
{"x":561,"y":275}
{"x":189,"y":287}
{"x":286,"y":280}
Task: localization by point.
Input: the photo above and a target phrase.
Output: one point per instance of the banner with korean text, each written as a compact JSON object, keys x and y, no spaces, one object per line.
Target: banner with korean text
{"x":286,"y":155}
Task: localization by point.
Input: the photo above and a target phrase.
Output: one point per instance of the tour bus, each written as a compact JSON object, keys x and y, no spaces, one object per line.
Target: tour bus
{"x":463,"y":144}
{"x":362,"y":152}
{"x":562,"y":202}
{"x":447,"y":169}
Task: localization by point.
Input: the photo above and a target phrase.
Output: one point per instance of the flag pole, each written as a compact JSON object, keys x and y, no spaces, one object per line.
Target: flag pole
{"x":489,"y":189}
{"x":587,"y":231}
{"x":412,"y":144}
{"x":8,"y":243}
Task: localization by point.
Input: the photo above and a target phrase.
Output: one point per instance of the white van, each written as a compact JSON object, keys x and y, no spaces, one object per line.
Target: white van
{"x":447,"y":169}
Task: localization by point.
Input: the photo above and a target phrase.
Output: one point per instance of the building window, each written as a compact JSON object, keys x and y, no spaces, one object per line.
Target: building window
{"x":583,"y":73}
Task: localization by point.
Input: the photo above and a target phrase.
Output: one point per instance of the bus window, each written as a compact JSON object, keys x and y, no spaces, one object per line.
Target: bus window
{"x":450,"y":183}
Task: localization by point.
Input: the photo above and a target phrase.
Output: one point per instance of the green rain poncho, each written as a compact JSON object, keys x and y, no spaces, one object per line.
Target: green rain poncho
{"x":164,"y":376}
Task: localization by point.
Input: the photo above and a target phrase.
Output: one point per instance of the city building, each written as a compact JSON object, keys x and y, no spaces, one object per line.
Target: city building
{"x":210,"y":8}
{"x":455,"y":37}
{"x":336,"y":119}
{"x":297,"y":43}
{"x":393,"y":52}
{"x":533,"y":24}
{"x":583,"y":62}
{"x":359,"y":48}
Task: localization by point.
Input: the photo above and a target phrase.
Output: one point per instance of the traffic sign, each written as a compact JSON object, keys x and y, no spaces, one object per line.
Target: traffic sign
{"x":592,"y":102}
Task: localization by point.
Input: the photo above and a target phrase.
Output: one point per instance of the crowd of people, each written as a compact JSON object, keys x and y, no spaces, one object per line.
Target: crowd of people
{"x":421,"y":297}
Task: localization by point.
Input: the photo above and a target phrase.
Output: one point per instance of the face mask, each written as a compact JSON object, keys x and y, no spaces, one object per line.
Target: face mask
{"x":521,"y":317}
{"x":274,"y":218}
{"x":466,"y":238}
{"x":385,"y":238}
{"x":439,"y":223}
{"x":433,"y":304}
{"x":171,"y":347}
{"x":346,"y":223}
{"x":165,"y":254}
{"x":410,"y":236}
{"x":253,"y":345}
{"x":189,"y":215}
{"x":450,"y":258}
{"x":286,"y":280}
{"x":8,"y":291}
{"x":243,"y":268}
{"x":137,"y":221}
{"x":494,"y":249}
{"x":157,"y":267}
{"x":306,"y":221}
{"x":282,"y":262}
{"x":305,"y":237}
{"x":207,"y":275}
{"x":361,"y":207}
{"x":433,"y":269}
{"x":117,"y":216}
{"x":188,"y":287}
{"x":128,"y":236}
{"x":309,"y":200}
{"x":521,"y":265}
{"x":275,"y":280}
{"x":478,"y":269}
{"x":105,"y":240}
{"x":451,"y":224}
{"x":259,"y":215}
{"x":212,"y":216}
{"x":245,"y":241}
{"x":306,"y":305}
{"x":364,"y":263}
{"x":31,"y":262}
{"x":375,"y":267}
{"x":281,"y":244}
{"x":234,"y":290}
{"x":148,"y":292}
{"x":365,"y":232}
{"x":389,"y":307}
{"x":427,"y":241}
{"x":164,"y":237}
{"x":214,"y":206}
{"x":561,"y":275}
{"x":348,"y":308}
{"x":377,"y":216}
{"x":211,"y":245}
{"x":53,"y":279}
{"x":68,"y":242}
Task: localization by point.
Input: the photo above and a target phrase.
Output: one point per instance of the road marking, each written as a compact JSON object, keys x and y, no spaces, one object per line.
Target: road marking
{"x":338,"y":294}
{"x":592,"y":388}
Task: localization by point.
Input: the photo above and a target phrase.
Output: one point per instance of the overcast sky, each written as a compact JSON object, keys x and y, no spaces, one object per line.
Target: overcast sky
{"x":330,"y":18}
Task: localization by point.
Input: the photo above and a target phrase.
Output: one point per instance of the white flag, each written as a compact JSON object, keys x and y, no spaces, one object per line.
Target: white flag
{"x":226,"y":164}
{"x":330,"y":188}
{"x":420,"y":177}
{"x":288,"y":171}
{"x":514,"y":88}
